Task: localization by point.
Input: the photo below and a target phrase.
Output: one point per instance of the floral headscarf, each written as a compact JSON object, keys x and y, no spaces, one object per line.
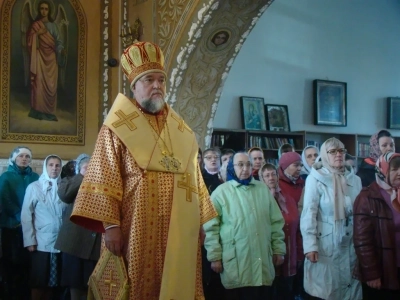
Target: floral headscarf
{"x":231,"y":174}
{"x":374,"y":150}
{"x":382,"y":169}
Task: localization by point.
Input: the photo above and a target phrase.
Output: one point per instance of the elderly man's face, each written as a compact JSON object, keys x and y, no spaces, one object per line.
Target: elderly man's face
{"x":242,"y":165}
{"x":149,"y":91}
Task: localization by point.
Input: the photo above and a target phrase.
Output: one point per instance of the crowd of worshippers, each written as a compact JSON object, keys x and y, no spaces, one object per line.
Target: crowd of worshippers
{"x":44,"y":254}
{"x":311,"y":227}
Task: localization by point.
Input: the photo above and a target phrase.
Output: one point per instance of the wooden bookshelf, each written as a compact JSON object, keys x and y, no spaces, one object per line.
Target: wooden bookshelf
{"x":357,"y":145}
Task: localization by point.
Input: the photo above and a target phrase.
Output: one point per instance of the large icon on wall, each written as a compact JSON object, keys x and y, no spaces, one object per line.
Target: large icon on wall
{"x":43,"y":74}
{"x":253,"y":116}
{"x":277,"y":117}
{"x":393,"y":113}
{"x":330,"y":103}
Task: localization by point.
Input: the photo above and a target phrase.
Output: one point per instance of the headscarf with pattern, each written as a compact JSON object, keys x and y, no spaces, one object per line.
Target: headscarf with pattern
{"x":374,"y":150}
{"x":382,"y":169}
{"x":231,"y":174}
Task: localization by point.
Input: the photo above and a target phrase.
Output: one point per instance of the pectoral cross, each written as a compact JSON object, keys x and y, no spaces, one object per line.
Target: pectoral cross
{"x":181,"y":123}
{"x":125,"y":119}
{"x":188,"y":187}
{"x":110,"y":282}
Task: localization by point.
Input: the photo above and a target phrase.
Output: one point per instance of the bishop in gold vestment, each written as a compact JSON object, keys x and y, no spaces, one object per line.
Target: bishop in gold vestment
{"x":144,"y":177}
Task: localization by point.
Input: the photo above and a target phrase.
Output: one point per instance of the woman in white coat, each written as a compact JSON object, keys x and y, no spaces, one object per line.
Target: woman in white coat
{"x":41,"y":219}
{"x":327,"y":226}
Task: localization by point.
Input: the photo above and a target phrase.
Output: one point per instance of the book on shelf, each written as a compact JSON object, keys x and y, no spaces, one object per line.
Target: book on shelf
{"x":273,"y":161}
{"x":217,"y":140}
{"x":363,"y":149}
{"x":269,"y":142}
{"x":312,"y":143}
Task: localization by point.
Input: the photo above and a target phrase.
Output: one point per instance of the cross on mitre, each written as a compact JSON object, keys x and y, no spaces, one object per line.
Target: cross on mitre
{"x":125,"y":119}
{"x":188,"y":186}
{"x":109,"y":280}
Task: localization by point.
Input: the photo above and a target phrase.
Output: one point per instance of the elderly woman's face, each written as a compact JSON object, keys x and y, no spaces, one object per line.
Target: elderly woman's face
{"x":270,"y":178}
{"x":336,"y":157}
{"x":242,"y":166}
{"x":53,"y":167}
{"x":311,"y":155}
{"x":294,"y":169}
{"x":212,"y":161}
{"x":394,"y":173}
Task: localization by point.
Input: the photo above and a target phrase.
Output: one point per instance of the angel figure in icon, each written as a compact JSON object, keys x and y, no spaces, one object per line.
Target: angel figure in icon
{"x":44,"y":42}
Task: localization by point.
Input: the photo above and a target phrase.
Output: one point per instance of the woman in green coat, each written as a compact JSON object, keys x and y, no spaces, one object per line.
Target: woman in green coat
{"x":246,"y":240}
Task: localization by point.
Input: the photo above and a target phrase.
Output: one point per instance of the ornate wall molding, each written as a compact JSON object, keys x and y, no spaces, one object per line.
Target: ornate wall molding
{"x":105,"y":46}
{"x":201,"y":67}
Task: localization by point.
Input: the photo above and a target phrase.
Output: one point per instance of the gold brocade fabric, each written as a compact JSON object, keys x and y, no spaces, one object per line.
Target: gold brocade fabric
{"x":113,"y":184}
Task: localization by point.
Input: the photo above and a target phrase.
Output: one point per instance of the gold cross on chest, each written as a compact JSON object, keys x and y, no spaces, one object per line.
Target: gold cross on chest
{"x":190,"y":188}
{"x":110,"y":282}
{"x":125,"y":119}
{"x":181,"y":124}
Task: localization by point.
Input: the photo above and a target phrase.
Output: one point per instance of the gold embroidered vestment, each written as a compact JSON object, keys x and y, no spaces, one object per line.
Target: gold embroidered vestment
{"x":159,"y":211}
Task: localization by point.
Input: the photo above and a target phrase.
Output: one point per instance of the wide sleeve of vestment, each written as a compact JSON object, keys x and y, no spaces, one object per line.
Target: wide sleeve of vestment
{"x":364,"y":237}
{"x":308,"y":220}
{"x":100,"y":195}
{"x":68,"y":188}
{"x":27,"y":212}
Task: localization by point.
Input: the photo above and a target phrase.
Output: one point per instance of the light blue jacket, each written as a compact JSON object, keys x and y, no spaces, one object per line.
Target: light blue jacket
{"x":245,"y":235}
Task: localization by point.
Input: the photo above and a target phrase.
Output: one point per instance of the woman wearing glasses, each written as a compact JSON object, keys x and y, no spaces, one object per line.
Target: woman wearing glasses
{"x":327,"y":226}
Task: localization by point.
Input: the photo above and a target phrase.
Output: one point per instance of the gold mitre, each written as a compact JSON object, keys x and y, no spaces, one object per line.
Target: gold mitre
{"x":140,"y":59}
{"x":109,"y":280}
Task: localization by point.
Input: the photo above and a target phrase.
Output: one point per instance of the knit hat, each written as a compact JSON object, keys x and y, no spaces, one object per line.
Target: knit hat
{"x":140,"y":59}
{"x":288,"y":158}
{"x":17,"y":151}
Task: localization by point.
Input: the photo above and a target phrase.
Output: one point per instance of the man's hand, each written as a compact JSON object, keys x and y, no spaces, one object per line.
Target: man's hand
{"x":216,"y":266}
{"x":375,"y":284}
{"x":278,"y":259}
{"x":32,"y":248}
{"x":113,"y":239}
{"x":312,"y":256}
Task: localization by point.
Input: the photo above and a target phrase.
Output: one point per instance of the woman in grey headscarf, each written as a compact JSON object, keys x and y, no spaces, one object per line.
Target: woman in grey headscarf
{"x":80,"y":247}
{"x":13,"y":184}
{"x":327,"y":226}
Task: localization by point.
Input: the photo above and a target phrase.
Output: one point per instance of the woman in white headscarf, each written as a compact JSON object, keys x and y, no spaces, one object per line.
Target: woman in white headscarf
{"x":308,"y":157}
{"x":327,"y":226}
{"x":41,"y":219}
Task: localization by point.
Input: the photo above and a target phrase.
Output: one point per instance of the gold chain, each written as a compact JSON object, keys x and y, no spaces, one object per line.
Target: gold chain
{"x":168,"y":161}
